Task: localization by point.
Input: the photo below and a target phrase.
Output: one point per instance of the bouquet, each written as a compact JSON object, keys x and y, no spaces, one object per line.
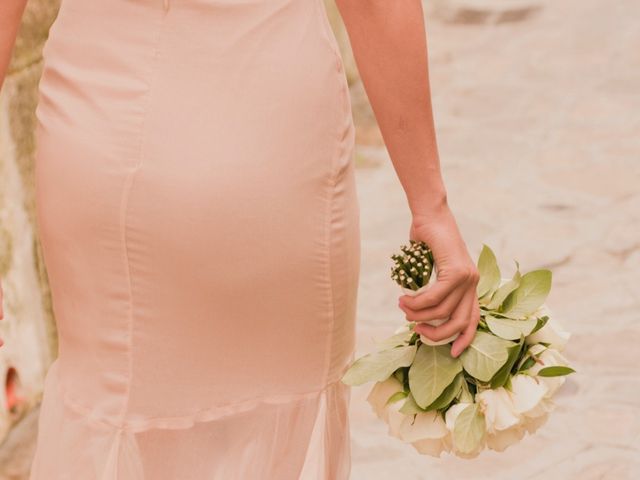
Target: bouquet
{"x":498,"y":389}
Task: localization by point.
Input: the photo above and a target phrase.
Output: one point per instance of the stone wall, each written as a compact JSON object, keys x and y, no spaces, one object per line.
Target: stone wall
{"x":28,"y":328}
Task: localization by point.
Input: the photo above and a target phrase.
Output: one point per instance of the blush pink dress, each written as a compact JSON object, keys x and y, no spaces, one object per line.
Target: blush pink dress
{"x":197,"y":210}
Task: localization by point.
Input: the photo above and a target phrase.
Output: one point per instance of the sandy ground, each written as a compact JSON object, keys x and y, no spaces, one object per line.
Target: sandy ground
{"x":539,"y":136}
{"x":538,"y":129}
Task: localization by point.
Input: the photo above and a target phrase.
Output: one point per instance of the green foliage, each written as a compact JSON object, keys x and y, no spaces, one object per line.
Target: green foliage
{"x":432,"y":370}
{"x":378,"y":366}
{"x":469,"y":429}
{"x":489,"y":272}
{"x":529,"y":296}
{"x":485,"y":355}
{"x":555,"y":371}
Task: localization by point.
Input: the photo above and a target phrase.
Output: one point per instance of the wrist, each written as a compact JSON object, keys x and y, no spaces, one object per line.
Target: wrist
{"x":431,"y":201}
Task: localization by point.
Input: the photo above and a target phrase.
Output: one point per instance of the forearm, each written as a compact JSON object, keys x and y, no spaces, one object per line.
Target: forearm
{"x":388,"y":39}
{"x":10,"y":15}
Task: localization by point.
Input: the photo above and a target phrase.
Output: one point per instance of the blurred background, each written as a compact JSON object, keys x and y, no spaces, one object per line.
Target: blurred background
{"x":537,"y":108}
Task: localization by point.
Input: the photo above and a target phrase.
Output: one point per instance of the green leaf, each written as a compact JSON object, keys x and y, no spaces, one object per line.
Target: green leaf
{"x":531,"y":294}
{"x":449,"y":393}
{"x":432,"y":370}
{"x":527,"y":364}
{"x":398,"y":339}
{"x":485,"y":355}
{"x":378,"y":366}
{"x":400,"y":374}
{"x":502,"y":375}
{"x":489,"y":272}
{"x":469,"y":429}
{"x":555,"y":371}
{"x":540,"y":322}
{"x":410,"y":406}
{"x":395,"y":397}
{"x":465,"y":394}
{"x":504,"y":291}
{"x":510,"y":329}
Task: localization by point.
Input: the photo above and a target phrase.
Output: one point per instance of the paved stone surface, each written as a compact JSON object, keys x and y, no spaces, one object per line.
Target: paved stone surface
{"x":538,"y":122}
{"x":538,"y":129}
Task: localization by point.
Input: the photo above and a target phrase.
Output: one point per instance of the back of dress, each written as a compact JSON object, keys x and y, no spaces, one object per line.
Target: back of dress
{"x":198,"y":215}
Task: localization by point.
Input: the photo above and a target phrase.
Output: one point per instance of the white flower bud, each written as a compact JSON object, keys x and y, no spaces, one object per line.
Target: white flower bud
{"x":552,"y":332}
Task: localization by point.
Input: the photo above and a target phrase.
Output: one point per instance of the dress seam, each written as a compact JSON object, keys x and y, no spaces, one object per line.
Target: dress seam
{"x":328,"y":237}
{"x":188,"y":420}
{"x":124,"y":210}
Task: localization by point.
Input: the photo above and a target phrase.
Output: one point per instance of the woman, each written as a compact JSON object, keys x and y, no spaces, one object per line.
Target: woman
{"x":198,"y":215}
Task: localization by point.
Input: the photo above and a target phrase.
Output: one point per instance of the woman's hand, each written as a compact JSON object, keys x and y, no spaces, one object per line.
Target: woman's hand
{"x":453,"y":295}
{"x":390,"y":49}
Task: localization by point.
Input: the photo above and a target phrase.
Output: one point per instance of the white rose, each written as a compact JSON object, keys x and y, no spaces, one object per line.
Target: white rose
{"x":549,"y":357}
{"x":428,"y":425}
{"x":526,"y":393}
{"x":499,"y":411}
{"x":380,"y":393}
{"x":552,"y":332}
{"x":433,"y":446}
{"x":531,"y":424}
{"x":501,"y":439}
{"x":395,"y":418}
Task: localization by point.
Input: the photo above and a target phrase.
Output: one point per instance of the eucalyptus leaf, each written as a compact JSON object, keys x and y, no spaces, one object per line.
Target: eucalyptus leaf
{"x":469,"y":429}
{"x":398,"y":339}
{"x":396,"y":397}
{"x":465,"y":394}
{"x":489,"y":272}
{"x":400,"y":374}
{"x":540,"y":322}
{"x":555,"y":371}
{"x":504,"y":290}
{"x":410,"y":406}
{"x":378,"y":366}
{"x":449,"y":393}
{"x":531,"y":294}
{"x":527,"y":364}
{"x":484,"y":356}
{"x":510,"y":329}
{"x":432,"y":370}
{"x":502,"y":375}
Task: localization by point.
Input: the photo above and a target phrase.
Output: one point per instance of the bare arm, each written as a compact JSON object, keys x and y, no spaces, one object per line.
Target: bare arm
{"x":388,"y":38}
{"x":10,"y":15}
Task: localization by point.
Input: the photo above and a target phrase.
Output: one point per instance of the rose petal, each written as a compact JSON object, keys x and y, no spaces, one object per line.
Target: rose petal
{"x":380,"y":393}
{"x":526,"y":393}
{"x":431,"y":446}
{"x":395,"y":418}
{"x":502,"y":439}
{"x":425,"y":425}
{"x":552,"y":332}
{"x":498,"y":409}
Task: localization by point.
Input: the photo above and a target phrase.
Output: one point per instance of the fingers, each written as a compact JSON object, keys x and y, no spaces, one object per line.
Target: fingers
{"x":441,"y":310}
{"x":434,"y":295}
{"x":458,"y":321}
{"x":468,"y":334}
